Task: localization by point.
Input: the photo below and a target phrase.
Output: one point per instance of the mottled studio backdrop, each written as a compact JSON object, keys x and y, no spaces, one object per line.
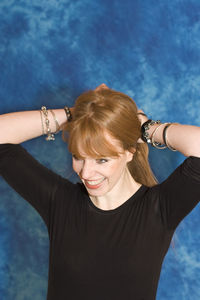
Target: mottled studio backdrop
{"x":51,"y":51}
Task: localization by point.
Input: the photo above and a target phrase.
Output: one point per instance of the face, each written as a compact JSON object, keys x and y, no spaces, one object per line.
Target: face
{"x":102,"y":174}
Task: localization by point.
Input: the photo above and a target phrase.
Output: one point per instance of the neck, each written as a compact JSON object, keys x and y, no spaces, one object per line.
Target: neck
{"x":119,"y":194}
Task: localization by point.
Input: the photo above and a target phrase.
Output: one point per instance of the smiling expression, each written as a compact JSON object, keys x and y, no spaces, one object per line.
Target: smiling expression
{"x":101,"y":175}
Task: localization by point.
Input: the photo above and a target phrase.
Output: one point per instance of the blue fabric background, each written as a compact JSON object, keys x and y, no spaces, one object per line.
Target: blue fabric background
{"x":51,"y":51}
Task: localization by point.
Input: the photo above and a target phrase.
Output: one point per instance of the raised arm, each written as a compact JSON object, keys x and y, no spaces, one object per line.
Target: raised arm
{"x":183,"y":138}
{"x":18,"y":127}
{"x":33,"y":181}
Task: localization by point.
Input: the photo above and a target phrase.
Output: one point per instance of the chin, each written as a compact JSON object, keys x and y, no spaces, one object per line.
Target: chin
{"x":96,"y":193}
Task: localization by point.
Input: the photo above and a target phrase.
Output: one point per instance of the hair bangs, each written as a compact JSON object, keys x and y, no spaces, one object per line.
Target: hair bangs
{"x":89,"y":139}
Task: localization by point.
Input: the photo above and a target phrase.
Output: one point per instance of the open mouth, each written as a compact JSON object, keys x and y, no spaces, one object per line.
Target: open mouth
{"x":94,"y":184}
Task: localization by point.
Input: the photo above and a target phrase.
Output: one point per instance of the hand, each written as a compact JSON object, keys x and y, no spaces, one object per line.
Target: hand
{"x":101,"y":87}
{"x":143,"y":118}
{"x":71,"y":110}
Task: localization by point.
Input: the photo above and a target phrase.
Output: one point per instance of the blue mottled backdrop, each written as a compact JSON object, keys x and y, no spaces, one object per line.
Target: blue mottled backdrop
{"x":51,"y":51}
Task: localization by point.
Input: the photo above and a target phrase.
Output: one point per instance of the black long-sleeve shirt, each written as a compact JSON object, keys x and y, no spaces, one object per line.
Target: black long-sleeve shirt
{"x":100,"y":254}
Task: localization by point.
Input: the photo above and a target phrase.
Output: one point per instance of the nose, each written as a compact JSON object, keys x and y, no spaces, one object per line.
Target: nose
{"x":87,"y":170}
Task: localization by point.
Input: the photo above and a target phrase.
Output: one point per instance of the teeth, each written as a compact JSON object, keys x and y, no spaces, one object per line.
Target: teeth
{"x":94,"y":182}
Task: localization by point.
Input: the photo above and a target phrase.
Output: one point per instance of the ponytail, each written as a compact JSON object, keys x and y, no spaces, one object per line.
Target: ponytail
{"x":139,"y":166}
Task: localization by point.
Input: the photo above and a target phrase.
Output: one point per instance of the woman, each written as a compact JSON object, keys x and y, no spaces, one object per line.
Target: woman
{"x":110,"y":233}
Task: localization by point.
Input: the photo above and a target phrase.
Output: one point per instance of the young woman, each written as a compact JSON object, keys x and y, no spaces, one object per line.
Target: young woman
{"x":108,"y":234}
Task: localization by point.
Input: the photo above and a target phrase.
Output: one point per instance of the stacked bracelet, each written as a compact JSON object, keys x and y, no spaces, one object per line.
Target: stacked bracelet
{"x":45,"y":120}
{"x":50,"y":135}
{"x":150,"y":140}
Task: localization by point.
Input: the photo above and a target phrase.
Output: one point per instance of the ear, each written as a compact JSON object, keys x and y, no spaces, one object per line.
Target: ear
{"x":129,"y":154}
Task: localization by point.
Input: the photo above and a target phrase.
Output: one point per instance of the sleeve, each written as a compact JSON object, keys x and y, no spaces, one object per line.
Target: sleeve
{"x":34,"y":182}
{"x":180,"y":192}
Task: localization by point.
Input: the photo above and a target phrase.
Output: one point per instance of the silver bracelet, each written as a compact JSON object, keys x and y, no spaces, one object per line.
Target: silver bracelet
{"x":50,"y":135}
{"x":165,"y":136}
{"x":56,"y":121}
{"x":156,"y":144}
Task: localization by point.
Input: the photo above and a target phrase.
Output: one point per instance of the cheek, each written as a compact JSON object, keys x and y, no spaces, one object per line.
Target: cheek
{"x":116,"y":170}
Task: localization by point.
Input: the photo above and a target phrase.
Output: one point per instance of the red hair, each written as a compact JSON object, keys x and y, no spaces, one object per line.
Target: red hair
{"x":103,"y":111}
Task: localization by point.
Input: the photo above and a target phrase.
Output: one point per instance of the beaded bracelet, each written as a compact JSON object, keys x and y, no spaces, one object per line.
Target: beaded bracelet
{"x":68,"y":113}
{"x":145,"y":127}
{"x":50,"y":135}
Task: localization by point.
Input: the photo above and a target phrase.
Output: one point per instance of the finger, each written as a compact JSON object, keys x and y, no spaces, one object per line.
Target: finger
{"x":141,"y":112}
{"x":140,"y":141}
{"x":101,"y":86}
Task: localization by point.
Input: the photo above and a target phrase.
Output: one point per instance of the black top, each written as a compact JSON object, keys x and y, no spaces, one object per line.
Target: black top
{"x":100,"y":254}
